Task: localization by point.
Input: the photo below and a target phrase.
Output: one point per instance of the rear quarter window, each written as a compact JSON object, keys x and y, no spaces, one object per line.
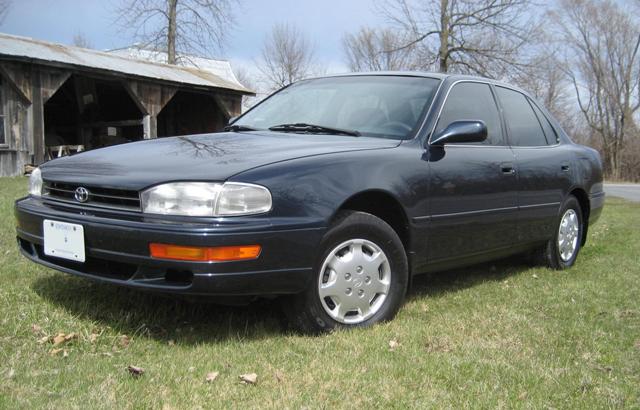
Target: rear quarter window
{"x":523,"y":124}
{"x":549,"y":131}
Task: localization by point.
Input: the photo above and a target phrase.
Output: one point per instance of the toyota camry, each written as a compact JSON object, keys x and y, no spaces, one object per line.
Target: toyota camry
{"x":332,"y":193}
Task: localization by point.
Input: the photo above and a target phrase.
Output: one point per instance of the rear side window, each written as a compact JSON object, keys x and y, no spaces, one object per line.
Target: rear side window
{"x":472,"y":101}
{"x":549,"y":131}
{"x":524,"y":128}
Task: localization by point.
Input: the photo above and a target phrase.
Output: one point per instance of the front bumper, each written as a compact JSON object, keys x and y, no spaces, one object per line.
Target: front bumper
{"x":117,"y":250}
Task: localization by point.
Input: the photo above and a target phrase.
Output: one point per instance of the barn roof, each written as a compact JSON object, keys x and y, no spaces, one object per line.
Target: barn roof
{"x":24,"y":48}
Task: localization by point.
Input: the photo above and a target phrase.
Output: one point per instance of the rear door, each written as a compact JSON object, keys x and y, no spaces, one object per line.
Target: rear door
{"x":473,"y":191}
{"x":544,"y":166}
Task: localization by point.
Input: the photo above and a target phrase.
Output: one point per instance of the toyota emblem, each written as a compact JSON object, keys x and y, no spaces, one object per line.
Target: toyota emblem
{"x":81,"y":194}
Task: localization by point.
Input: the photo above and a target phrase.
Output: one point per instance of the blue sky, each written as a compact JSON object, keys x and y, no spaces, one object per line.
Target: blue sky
{"x":325,"y":22}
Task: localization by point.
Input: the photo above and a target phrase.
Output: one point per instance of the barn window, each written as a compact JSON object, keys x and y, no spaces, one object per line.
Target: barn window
{"x":3,"y":138}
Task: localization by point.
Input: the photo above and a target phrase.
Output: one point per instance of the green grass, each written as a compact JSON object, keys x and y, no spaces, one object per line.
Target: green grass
{"x":496,"y":335}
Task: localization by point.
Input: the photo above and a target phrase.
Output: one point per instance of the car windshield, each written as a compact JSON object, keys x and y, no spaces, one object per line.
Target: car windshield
{"x":375,"y":106}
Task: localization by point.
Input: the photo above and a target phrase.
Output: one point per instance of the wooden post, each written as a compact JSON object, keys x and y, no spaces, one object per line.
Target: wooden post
{"x":150,"y":126}
{"x":38,"y":117}
{"x":150,"y":99}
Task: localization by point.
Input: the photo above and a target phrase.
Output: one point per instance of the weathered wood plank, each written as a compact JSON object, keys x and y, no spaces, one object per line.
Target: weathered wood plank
{"x":37,"y":126}
{"x":51,"y":81}
{"x":150,"y":98}
{"x":19,"y":77}
{"x":12,"y":163}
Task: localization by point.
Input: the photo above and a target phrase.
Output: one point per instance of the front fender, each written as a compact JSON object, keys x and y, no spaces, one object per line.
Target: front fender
{"x":316,"y":187}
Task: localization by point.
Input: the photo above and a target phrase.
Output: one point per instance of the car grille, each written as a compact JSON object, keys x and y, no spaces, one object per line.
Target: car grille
{"x":97,"y":196}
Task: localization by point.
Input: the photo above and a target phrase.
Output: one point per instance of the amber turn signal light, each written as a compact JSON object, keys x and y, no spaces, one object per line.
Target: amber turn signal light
{"x":204,"y":254}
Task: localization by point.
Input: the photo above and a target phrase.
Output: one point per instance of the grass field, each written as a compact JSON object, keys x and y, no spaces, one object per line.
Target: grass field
{"x":497,"y":335}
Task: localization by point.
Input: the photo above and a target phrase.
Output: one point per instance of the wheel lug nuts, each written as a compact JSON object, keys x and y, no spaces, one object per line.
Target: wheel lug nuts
{"x":361,"y":293}
{"x":348,"y":291}
{"x":359,"y":269}
{"x":347,"y":276}
{"x":367,"y":280}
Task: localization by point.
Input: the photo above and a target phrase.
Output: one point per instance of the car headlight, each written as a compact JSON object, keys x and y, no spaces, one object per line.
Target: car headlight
{"x":35,"y":182}
{"x":206,"y":199}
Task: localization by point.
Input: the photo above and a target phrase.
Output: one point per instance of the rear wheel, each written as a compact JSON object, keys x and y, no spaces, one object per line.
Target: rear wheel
{"x":360,"y":278}
{"x":561,"y":251}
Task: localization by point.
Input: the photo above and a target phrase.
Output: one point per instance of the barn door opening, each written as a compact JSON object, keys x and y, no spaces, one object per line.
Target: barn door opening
{"x":87,"y":113}
{"x":190,"y":113}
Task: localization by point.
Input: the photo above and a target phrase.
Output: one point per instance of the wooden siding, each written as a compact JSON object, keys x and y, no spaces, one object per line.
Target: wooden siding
{"x":28,"y":86}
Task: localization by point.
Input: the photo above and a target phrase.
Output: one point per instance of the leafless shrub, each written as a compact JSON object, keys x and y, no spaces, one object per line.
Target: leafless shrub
{"x":287,"y":56}
{"x":378,"y":50}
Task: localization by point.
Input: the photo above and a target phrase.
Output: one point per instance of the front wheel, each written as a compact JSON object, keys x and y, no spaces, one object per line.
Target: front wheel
{"x":562,"y":249}
{"x":360,"y":277}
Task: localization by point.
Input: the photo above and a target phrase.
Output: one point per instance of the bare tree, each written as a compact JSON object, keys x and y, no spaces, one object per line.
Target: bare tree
{"x":287,"y":56}
{"x":483,"y":37}
{"x":4,"y":9}
{"x":81,"y":40}
{"x":179,"y":27}
{"x":545,"y":78}
{"x":603,"y":44}
{"x":377,"y":50}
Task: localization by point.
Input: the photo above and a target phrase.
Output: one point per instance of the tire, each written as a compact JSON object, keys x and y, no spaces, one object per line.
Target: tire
{"x":361,"y":261}
{"x":553,"y":254}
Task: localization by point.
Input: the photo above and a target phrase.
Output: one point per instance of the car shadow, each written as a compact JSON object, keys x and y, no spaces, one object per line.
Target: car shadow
{"x":162,"y":317}
{"x":439,"y":284}
{"x":188,"y":321}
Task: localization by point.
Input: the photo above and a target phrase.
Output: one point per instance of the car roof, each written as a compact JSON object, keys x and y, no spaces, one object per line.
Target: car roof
{"x":426,"y":74}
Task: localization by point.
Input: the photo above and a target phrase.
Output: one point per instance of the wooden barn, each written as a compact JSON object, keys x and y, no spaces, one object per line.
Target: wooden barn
{"x":57,"y":100}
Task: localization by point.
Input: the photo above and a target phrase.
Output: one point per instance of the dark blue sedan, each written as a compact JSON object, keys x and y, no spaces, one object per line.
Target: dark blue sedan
{"x":332,"y":193}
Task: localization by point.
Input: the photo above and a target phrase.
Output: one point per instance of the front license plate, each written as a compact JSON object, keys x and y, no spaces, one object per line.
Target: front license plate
{"x":63,"y":240}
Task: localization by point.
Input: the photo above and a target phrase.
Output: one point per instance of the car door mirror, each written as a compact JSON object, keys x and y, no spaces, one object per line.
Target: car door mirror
{"x":461,"y":131}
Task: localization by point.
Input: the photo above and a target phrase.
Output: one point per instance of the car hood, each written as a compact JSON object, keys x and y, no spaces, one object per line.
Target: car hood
{"x":206,"y":157}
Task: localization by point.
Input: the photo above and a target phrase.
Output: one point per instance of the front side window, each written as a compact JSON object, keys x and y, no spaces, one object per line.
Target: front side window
{"x":374,"y":106}
{"x":473,"y":102}
{"x":524,"y":128}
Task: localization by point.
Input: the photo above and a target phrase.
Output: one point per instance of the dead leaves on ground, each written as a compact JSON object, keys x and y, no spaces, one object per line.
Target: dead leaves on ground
{"x":135,"y":371}
{"x":393,"y":344}
{"x":57,"y":352}
{"x":249,"y":378}
{"x":212,"y":376}
{"x":124,"y":341}
{"x":59,"y":338}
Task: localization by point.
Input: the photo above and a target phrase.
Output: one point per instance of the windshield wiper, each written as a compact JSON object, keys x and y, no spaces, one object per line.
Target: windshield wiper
{"x":313,"y":129}
{"x":237,"y":128}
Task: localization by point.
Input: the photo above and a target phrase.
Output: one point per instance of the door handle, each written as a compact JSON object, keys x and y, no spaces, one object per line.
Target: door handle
{"x":507,"y":168}
{"x":565,"y":167}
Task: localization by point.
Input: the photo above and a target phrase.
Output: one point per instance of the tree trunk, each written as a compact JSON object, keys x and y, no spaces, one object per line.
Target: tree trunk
{"x":615,"y":163}
{"x":171,"y":32}
{"x":443,"y":52}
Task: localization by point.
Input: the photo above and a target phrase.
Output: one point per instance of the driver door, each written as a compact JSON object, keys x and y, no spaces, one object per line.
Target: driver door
{"x":473,"y":189}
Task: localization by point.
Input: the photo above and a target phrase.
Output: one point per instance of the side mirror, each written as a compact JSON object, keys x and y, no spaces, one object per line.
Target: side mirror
{"x":461,"y":131}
